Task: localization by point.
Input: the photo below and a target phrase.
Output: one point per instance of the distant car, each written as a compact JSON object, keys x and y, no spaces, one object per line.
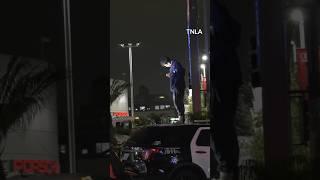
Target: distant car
{"x":169,"y":152}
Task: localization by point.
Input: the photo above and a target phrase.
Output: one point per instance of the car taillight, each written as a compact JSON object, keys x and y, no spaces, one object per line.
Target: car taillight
{"x":148,"y":153}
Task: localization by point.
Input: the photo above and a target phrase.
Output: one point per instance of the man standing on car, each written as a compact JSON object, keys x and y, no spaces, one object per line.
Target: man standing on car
{"x":177,"y":84}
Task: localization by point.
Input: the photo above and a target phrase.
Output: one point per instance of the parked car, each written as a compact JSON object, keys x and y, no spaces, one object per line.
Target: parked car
{"x":169,"y":152}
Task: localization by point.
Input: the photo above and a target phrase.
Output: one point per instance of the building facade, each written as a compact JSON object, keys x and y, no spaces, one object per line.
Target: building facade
{"x":33,"y":148}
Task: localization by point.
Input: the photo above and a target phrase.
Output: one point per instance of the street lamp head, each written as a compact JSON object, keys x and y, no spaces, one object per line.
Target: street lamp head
{"x":122,"y":45}
{"x":202,"y":66}
{"x":296,"y":15}
{"x":204,"y":57}
{"x":138,"y":44}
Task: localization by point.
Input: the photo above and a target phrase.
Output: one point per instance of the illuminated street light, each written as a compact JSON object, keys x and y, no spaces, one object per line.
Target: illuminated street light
{"x":204,"y":57}
{"x":203,"y":66}
{"x":130,"y":46}
{"x":297,"y":16}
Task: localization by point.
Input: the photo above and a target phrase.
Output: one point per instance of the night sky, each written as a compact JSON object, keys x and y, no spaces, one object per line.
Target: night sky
{"x":24,"y":23}
{"x":160,"y":27}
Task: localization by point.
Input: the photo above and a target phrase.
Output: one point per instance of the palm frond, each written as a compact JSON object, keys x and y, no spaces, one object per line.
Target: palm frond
{"x":15,"y":66}
{"x":22,"y":90}
{"x":116,"y":89}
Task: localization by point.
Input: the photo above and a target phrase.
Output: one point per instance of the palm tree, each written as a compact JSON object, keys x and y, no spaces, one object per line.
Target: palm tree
{"x":244,"y":120}
{"x":22,"y":95}
{"x":116,"y":89}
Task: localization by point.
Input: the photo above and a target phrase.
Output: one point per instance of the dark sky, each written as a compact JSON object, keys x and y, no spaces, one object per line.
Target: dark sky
{"x":24,"y":23}
{"x":159,"y":26}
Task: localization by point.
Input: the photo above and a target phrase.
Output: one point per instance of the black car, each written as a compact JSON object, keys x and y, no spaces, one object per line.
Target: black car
{"x":169,"y":152}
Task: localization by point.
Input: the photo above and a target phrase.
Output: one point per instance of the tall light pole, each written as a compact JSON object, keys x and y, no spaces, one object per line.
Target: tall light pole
{"x":69,"y":84}
{"x":130,"y":46}
{"x":294,"y":50}
{"x":296,"y":15}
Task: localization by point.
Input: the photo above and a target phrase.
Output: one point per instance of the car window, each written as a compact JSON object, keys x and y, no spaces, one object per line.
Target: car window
{"x":147,"y":136}
{"x":140,"y":137}
{"x":178,"y":136}
{"x":162,"y":136}
{"x":204,"y":138}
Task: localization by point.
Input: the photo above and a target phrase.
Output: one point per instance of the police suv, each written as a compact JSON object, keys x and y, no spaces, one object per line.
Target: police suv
{"x":169,"y":152}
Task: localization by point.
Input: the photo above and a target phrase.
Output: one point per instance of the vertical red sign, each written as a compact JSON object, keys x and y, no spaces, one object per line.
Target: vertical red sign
{"x":302,"y":65}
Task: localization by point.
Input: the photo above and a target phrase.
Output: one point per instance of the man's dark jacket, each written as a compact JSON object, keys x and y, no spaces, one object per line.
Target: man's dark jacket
{"x":177,"y":72}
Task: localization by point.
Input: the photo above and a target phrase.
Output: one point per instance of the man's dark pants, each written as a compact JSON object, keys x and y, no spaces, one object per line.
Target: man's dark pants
{"x":178,"y":101}
{"x":224,"y":132}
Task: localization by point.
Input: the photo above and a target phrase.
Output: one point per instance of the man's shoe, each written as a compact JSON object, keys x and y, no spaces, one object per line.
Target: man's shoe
{"x":182,"y":119}
{"x":179,"y":122}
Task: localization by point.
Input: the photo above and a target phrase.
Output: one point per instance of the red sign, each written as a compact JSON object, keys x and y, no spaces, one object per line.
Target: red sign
{"x":36,"y":166}
{"x":302,"y":64}
{"x":203,"y":84}
{"x":120,"y":114}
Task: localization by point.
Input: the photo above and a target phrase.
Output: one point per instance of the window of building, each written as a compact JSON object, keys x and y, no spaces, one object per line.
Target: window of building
{"x":142,"y":108}
{"x":204,"y":138}
{"x":84,"y":151}
{"x":102,"y":147}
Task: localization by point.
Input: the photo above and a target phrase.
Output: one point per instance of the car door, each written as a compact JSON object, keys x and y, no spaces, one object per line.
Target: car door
{"x":200,"y":149}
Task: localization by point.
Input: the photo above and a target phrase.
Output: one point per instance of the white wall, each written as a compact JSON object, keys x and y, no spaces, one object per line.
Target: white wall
{"x":39,"y":141}
{"x":121,"y":103}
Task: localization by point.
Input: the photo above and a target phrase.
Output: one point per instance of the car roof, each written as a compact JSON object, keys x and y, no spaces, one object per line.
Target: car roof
{"x":169,"y":134}
{"x":178,"y":125}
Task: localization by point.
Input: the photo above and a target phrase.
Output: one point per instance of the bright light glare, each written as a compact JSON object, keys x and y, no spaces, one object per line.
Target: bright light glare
{"x":204,"y":57}
{"x":202,"y":66}
{"x":296,"y":15}
{"x":190,"y":93}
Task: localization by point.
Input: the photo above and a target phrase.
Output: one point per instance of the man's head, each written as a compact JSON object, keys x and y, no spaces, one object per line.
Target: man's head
{"x":165,"y":61}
